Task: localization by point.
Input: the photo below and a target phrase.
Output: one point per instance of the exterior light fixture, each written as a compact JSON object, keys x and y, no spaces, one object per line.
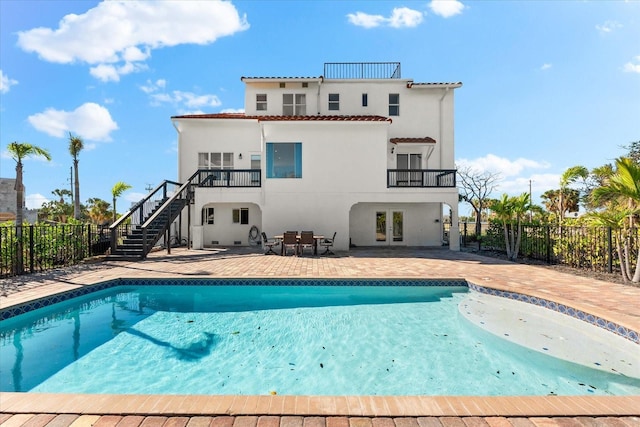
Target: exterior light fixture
{"x":240,"y":156}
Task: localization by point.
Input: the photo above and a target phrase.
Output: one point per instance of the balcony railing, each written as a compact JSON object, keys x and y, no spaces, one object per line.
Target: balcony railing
{"x":424,"y":178}
{"x":362,"y":70}
{"x":236,"y":178}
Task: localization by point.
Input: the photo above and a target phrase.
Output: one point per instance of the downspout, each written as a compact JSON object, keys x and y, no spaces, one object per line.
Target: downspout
{"x":318,"y":95}
{"x":446,"y":91}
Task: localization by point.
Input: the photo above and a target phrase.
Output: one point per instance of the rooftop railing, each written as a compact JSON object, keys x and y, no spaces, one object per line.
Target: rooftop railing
{"x":362,"y":70}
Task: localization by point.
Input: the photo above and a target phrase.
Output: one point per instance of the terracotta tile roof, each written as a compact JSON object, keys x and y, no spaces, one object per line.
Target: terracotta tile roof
{"x":425,"y":140}
{"x":452,"y":84}
{"x":317,"y":118}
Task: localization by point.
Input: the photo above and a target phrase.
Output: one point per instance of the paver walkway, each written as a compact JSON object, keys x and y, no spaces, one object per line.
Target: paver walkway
{"x":617,"y":303}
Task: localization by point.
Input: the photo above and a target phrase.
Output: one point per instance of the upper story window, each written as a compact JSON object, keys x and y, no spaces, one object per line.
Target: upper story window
{"x":294,"y":104}
{"x":255,"y":161}
{"x":215,"y":160}
{"x":365,"y":100}
{"x":394,"y":104}
{"x":409,"y":161}
{"x":261,"y":102}
{"x":284,"y":160}
{"x":305,"y":84}
{"x":334,"y":101}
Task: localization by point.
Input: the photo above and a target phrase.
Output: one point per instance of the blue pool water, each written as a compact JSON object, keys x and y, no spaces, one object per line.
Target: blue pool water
{"x":296,"y":340}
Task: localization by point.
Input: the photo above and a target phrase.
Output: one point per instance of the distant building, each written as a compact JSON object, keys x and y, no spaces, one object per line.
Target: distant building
{"x":8,"y":200}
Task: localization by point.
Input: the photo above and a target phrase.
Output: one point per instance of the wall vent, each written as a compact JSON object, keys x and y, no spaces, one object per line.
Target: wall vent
{"x":237,"y":242}
{"x":214,"y":242}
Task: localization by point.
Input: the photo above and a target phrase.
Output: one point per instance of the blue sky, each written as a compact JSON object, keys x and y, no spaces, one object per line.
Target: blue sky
{"x":546,"y":84}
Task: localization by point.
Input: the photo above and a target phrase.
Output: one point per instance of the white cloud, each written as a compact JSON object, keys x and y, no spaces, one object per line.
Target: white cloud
{"x":633,"y":66}
{"x":608,"y":26}
{"x":90,"y":121}
{"x":187,"y":100}
{"x":405,"y":17}
{"x":233,"y":110}
{"x":446,"y":8}
{"x":116,"y":37}
{"x":35,"y":201}
{"x":402,"y":17}
{"x":6,"y":82}
{"x":503,"y":166}
{"x":151,"y":87}
{"x":546,"y":66}
{"x":365,"y":20}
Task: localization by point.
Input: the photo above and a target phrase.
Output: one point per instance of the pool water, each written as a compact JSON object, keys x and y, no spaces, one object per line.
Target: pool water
{"x":293,"y":340}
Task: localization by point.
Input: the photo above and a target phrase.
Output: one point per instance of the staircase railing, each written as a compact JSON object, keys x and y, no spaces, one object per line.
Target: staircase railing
{"x":139,"y":212}
{"x":184,"y":193}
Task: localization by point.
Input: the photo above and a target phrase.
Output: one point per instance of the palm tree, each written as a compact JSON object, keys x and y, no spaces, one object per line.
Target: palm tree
{"x":510,"y":211}
{"x":99,"y":210}
{"x":117,"y":190}
{"x":569,"y":176}
{"x":19,"y":151}
{"x":75,"y":146}
{"x":622,"y":190}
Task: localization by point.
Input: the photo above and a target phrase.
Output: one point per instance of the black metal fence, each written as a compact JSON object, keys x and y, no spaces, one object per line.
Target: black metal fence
{"x":590,"y":248}
{"x":45,"y":247}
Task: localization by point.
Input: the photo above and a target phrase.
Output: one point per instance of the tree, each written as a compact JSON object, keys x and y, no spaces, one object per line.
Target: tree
{"x":117,"y":190}
{"x":622,"y":195}
{"x":475,"y":189}
{"x":19,"y":151}
{"x":558,"y":205}
{"x":99,"y":210}
{"x":569,"y":176}
{"x":510,"y":211}
{"x":57,"y":210}
{"x":75,"y":146}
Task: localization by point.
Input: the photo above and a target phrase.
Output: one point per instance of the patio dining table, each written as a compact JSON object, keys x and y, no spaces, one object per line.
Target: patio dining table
{"x":316,"y":237}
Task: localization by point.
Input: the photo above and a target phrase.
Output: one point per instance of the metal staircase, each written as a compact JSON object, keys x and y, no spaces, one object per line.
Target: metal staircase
{"x":135,"y":233}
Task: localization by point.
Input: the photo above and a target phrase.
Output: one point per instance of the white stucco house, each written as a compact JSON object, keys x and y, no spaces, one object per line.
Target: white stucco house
{"x":358,"y":151}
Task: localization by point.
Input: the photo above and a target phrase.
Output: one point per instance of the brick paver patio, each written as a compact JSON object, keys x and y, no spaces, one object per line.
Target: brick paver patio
{"x":617,"y":303}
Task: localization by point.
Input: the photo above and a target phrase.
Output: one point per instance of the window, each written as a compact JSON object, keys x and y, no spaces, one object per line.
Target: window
{"x":215,"y":160}
{"x":294,"y":104}
{"x":334,"y":101}
{"x":394,"y":104}
{"x":207,"y":215}
{"x":255,"y":161}
{"x":284,"y":160}
{"x":409,"y":161}
{"x":241,"y":216}
{"x":261,"y":102}
{"x":305,"y":84}
{"x":282,"y":84}
{"x":365,"y":100}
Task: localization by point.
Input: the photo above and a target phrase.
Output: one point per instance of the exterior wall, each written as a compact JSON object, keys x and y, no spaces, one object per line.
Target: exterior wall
{"x":344,"y":162}
{"x":422,"y":223}
{"x":206,"y":136}
{"x":224,"y":231}
{"x":8,"y":200}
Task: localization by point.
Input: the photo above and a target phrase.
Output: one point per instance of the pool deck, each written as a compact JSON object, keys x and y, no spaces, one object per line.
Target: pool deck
{"x":613,"y":302}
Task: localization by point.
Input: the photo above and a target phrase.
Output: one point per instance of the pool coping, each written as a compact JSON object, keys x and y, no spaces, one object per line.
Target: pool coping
{"x":489,"y":276}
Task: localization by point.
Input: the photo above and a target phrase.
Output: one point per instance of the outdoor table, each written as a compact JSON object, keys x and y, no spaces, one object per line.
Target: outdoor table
{"x":316,"y":237}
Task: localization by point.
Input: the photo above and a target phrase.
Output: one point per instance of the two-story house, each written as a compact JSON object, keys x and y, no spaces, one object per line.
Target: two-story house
{"x":358,"y":151}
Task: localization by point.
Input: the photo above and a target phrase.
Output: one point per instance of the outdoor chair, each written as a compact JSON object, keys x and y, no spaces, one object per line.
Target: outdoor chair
{"x":290,"y":240}
{"x":327,"y":244}
{"x":306,"y":241}
{"x":269,"y":244}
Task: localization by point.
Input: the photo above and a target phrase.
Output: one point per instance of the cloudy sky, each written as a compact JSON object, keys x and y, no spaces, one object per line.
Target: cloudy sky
{"x":547,"y":84}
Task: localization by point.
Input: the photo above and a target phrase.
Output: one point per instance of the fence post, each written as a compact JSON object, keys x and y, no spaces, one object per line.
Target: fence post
{"x":609,"y":250}
{"x":89,"y":240}
{"x":547,"y":239}
{"x":31,"y":249}
{"x":464,"y":236}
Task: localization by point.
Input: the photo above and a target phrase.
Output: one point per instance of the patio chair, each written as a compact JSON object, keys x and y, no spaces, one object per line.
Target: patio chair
{"x":269,"y":244}
{"x":327,"y":244}
{"x":306,"y":241}
{"x":290,"y":240}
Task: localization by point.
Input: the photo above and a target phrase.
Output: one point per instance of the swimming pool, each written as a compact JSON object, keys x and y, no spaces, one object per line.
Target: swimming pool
{"x":257,"y":337}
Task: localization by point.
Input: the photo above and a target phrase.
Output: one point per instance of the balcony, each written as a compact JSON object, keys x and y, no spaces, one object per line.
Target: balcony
{"x":422,"y":178}
{"x":361,"y":70}
{"x":236,"y":178}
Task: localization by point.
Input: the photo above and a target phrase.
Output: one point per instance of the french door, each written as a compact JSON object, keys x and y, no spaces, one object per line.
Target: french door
{"x":390,"y":227}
